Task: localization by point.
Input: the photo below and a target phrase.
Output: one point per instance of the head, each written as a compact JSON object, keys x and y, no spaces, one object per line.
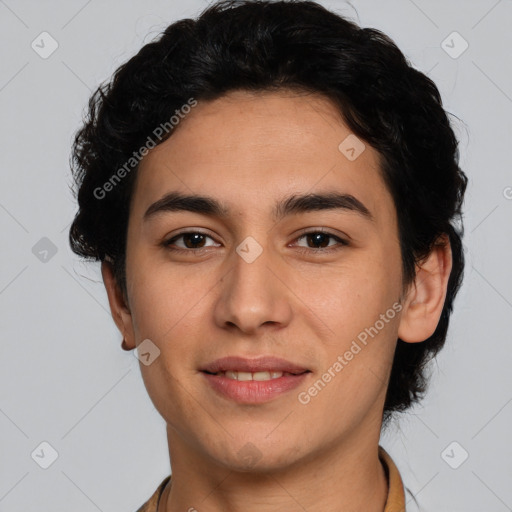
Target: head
{"x":300,"y":120}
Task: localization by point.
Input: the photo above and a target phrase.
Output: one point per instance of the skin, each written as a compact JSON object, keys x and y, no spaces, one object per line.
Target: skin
{"x":248,"y":151}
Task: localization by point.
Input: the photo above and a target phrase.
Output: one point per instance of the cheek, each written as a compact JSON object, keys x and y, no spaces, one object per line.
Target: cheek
{"x":163,"y":301}
{"x":352,"y":297}
{"x":362,"y":312}
{"x":167,"y":309}
{"x":358,"y":353}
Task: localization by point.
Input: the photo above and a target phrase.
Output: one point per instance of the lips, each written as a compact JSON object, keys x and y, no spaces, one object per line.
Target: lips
{"x":254,"y":391}
{"x":261,"y":364}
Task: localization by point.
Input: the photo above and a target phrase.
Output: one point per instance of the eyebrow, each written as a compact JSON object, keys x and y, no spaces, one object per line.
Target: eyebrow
{"x":294,"y":204}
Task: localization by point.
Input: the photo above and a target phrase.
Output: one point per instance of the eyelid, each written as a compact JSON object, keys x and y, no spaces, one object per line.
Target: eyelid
{"x":321,"y":229}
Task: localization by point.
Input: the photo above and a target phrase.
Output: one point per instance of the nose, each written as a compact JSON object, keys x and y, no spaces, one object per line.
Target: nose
{"x":253,"y":294}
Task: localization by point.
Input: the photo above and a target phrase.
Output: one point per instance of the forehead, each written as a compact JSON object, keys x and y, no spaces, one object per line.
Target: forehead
{"x":248,"y":148}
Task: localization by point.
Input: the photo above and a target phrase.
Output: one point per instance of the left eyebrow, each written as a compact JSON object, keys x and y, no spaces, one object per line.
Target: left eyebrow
{"x":176,"y":201}
{"x":326,"y":201}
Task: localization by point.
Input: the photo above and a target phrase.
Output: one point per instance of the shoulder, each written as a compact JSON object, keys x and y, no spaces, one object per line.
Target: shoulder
{"x":152,"y":504}
{"x":396,"y":496}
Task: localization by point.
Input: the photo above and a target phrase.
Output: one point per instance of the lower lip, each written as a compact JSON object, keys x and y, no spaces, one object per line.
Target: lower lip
{"x":254,"y":391}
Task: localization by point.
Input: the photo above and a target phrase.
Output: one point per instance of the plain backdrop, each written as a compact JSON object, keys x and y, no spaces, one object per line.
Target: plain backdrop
{"x":64,"y":379}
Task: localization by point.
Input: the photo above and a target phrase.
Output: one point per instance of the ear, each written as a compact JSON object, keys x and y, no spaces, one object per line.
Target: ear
{"x":426,"y":295}
{"x":118,"y":306}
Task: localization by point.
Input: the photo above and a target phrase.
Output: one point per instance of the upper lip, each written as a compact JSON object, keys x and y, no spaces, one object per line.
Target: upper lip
{"x":261,"y":364}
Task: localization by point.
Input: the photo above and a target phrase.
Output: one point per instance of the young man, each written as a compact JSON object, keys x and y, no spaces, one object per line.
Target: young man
{"x":273,"y":194}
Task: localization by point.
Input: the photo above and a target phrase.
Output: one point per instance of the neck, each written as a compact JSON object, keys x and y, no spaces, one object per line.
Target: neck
{"x":345,"y":476}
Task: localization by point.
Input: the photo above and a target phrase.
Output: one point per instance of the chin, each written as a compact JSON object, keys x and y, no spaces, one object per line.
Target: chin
{"x":257,"y":457}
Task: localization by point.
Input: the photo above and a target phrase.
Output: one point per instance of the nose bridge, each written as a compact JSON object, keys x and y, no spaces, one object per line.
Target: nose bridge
{"x":250,"y":266}
{"x":252,"y":295}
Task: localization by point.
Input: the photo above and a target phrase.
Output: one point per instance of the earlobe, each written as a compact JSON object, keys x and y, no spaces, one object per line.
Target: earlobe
{"x":118,"y":306}
{"x":426,"y":296}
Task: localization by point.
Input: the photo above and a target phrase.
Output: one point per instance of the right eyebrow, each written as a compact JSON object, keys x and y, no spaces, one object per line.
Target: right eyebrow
{"x":175,"y":201}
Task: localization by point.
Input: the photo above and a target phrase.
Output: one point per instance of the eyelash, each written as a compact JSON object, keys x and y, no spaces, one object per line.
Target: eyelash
{"x":342,"y":243}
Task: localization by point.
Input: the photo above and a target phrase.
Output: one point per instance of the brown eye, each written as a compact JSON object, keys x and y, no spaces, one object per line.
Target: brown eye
{"x":190,"y":240}
{"x":193,"y":240}
{"x":321,"y":240}
{"x":318,"y":238}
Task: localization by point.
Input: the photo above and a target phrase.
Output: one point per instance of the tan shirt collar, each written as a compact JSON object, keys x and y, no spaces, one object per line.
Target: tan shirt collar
{"x":396,"y":495}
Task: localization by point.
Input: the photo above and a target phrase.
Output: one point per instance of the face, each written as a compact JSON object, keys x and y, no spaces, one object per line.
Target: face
{"x":255,"y":272}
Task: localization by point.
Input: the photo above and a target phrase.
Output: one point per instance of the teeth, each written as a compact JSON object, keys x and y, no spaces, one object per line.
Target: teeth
{"x":244,"y":376}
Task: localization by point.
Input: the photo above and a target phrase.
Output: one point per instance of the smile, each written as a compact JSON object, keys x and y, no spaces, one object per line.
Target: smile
{"x":253,"y":388}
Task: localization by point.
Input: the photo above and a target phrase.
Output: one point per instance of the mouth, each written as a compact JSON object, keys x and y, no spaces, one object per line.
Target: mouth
{"x":253,"y":381}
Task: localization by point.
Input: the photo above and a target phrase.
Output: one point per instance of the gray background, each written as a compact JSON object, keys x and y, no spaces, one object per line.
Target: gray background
{"x":65,"y":379}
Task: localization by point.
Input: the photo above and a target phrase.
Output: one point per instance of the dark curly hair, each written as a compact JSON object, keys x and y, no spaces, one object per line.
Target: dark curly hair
{"x":262,"y":45}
